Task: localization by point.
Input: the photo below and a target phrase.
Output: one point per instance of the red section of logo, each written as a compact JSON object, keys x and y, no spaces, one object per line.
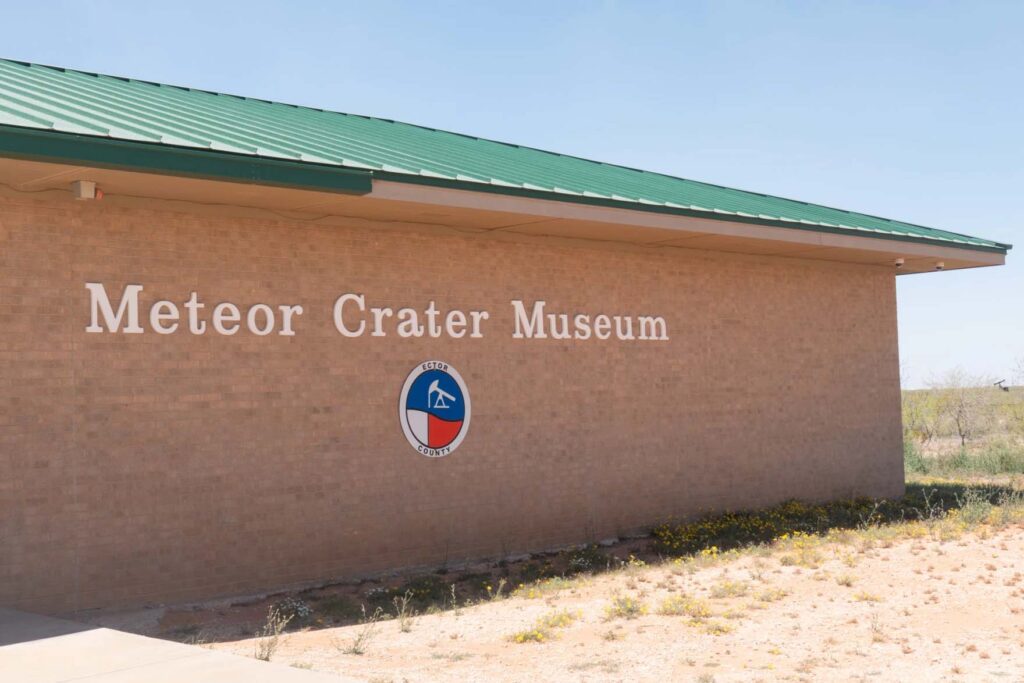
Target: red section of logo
{"x":440,"y":432}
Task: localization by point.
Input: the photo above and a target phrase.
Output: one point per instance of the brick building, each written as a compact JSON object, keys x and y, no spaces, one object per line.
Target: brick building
{"x":220,"y":314}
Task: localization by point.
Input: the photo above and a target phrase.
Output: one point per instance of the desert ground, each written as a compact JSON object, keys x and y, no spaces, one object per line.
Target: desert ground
{"x":918,"y":609}
{"x":937,"y":595}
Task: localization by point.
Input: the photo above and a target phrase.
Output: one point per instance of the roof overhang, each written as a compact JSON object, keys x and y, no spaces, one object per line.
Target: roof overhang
{"x":577,"y":220}
{"x":99,"y":152}
{"x":349,"y":198}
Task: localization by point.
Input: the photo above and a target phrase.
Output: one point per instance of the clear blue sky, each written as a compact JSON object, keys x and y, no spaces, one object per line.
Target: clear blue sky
{"x":906,"y":110}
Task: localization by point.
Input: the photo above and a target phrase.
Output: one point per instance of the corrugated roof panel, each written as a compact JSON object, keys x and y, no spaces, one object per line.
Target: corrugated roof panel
{"x":48,"y":98}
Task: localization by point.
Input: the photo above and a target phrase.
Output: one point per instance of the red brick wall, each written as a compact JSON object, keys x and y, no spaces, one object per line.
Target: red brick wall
{"x":140,"y":468}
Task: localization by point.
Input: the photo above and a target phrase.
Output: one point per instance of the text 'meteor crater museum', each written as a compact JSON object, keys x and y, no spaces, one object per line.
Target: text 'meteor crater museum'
{"x":249,"y":345}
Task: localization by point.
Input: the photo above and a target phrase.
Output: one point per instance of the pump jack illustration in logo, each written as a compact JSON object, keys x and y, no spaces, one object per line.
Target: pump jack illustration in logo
{"x":441,"y":394}
{"x":434,"y":409}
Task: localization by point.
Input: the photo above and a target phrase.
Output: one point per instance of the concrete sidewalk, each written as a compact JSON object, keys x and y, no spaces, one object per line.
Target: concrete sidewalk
{"x":35,"y":649}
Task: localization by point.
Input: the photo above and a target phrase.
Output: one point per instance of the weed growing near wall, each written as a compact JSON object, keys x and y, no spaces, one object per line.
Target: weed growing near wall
{"x":269,"y":637}
{"x":795,"y":521}
{"x":366,"y":633}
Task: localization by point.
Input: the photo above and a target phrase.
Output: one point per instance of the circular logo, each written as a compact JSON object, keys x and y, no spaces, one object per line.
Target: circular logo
{"x":434,"y":408}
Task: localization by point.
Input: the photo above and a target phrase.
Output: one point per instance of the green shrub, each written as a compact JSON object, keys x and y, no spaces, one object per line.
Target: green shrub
{"x":1001,"y":458}
{"x":534,"y":571}
{"x":338,"y":608}
{"x":293,"y":609}
{"x":913,"y":461}
{"x":587,"y":559}
{"x":975,"y":507}
{"x":421,"y":592}
{"x":996,"y":458}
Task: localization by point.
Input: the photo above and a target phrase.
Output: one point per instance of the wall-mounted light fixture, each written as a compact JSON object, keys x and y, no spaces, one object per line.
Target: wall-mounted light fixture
{"x":85,"y":189}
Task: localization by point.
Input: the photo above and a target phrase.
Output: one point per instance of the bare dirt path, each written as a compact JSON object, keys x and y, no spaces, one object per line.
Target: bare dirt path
{"x":866,"y":609}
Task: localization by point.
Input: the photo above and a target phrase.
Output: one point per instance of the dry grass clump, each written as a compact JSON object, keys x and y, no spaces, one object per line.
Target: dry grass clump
{"x":772,"y":594}
{"x":713,"y":627}
{"x":544,"y":629}
{"x":558,"y":619}
{"x":802,"y":549}
{"x":845,"y":580}
{"x":729,"y":589}
{"x":544,"y":588}
{"x":531,"y":635}
{"x":625,"y":607}
{"x":878,"y":634}
{"x":683,"y":606}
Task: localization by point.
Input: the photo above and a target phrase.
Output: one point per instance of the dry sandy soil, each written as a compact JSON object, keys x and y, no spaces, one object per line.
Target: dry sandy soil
{"x":911,"y":609}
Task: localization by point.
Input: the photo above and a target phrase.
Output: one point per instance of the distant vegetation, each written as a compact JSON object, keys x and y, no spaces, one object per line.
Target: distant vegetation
{"x":964,"y":424}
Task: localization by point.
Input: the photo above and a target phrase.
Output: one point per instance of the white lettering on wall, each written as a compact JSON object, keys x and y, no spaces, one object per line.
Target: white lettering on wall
{"x":195,"y":325}
{"x":353,"y":317}
{"x":165,"y":316}
{"x":100,"y":303}
{"x":226,"y":313}
{"x":163,"y":311}
{"x":653,"y":327}
{"x":287,"y":313}
{"x":339,"y":314}
{"x":581,"y":323}
{"x":409,"y":323}
{"x":252,"y":320}
{"x":476,"y":317}
{"x":532,"y":327}
{"x":539,"y":324}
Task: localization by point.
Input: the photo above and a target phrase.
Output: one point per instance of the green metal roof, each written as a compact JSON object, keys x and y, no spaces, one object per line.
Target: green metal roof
{"x":126,"y":123}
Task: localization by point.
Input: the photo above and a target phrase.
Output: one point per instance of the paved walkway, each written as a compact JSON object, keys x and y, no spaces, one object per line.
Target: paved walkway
{"x":35,"y":649}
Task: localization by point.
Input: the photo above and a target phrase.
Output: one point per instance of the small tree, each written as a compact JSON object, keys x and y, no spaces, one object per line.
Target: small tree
{"x":963,"y":401}
{"x":920,"y":415}
{"x":1013,"y":406}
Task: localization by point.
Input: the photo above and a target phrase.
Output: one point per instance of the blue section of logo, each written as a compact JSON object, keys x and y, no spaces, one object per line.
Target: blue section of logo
{"x":436,"y":392}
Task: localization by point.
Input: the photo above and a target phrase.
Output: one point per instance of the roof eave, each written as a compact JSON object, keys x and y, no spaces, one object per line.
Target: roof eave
{"x":86,"y":150}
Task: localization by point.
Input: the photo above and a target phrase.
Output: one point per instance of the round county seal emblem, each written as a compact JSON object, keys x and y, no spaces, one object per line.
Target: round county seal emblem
{"x":434,"y":408}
